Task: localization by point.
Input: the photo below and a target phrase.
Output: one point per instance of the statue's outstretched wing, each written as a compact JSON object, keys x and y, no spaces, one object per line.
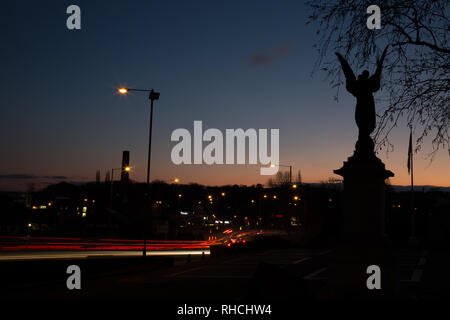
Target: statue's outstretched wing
{"x":349,"y":75}
{"x":348,"y":72}
{"x":375,"y":78}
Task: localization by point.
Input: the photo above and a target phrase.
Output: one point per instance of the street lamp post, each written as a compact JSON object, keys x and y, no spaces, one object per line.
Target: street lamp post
{"x":152,"y":96}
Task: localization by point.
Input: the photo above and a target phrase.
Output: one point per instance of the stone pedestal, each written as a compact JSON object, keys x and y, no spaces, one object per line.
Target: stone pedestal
{"x":363,"y":241}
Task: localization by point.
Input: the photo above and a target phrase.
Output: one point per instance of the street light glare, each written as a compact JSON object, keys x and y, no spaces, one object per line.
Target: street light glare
{"x":123,"y":90}
{"x":127,"y":169}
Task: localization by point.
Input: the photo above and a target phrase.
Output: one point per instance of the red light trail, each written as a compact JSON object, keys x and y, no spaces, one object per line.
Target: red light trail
{"x":68,"y":244}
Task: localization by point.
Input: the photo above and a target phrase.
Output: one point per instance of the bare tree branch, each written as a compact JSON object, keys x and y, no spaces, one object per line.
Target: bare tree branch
{"x":416,"y":82}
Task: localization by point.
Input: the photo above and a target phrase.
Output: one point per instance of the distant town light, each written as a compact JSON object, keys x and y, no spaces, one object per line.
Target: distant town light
{"x":294,"y":186}
{"x":127,"y":169}
{"x":123,"y":90}
{"x":223,"y":194}
{"x":176,"y":180}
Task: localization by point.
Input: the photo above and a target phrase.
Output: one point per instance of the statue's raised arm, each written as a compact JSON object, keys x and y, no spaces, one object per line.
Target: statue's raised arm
{"x":375,"y":79}
{"x":348,"y":72}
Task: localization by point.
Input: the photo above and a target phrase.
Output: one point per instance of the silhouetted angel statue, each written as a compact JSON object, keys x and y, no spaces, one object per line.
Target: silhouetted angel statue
{"x":362,"y":88}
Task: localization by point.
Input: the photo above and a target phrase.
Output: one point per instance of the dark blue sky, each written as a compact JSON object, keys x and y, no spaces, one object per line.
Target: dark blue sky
{"x":231,"y":64}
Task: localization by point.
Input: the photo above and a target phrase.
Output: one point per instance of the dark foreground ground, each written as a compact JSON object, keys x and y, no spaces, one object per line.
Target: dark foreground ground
{"x":289,"y":280}
{"x":263,"y":275}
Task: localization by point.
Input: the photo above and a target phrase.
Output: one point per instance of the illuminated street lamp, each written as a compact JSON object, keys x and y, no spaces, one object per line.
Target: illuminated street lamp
{"x":151,"y":96}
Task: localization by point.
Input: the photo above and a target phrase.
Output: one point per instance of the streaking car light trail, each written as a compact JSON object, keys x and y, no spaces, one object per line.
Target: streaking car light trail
{"x":25,"y":243}
{"x":63,"y":244}
{"x":73,"y":254}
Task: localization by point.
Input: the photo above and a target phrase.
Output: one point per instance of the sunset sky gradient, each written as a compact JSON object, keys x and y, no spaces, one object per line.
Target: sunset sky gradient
{"x":231,"y":64}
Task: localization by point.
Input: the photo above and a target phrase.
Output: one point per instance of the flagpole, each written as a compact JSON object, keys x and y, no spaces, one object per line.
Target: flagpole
{"x":412,"y":239}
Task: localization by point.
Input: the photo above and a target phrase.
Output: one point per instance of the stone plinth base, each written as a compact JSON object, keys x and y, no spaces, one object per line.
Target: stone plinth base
{"x":363,"y":241}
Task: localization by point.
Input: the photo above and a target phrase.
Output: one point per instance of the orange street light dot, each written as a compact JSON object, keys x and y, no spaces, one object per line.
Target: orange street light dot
{"x":176,"y":180}
{"x":294,"y":186}
{"x":123,"y":90}
{"x":127,"y":169}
